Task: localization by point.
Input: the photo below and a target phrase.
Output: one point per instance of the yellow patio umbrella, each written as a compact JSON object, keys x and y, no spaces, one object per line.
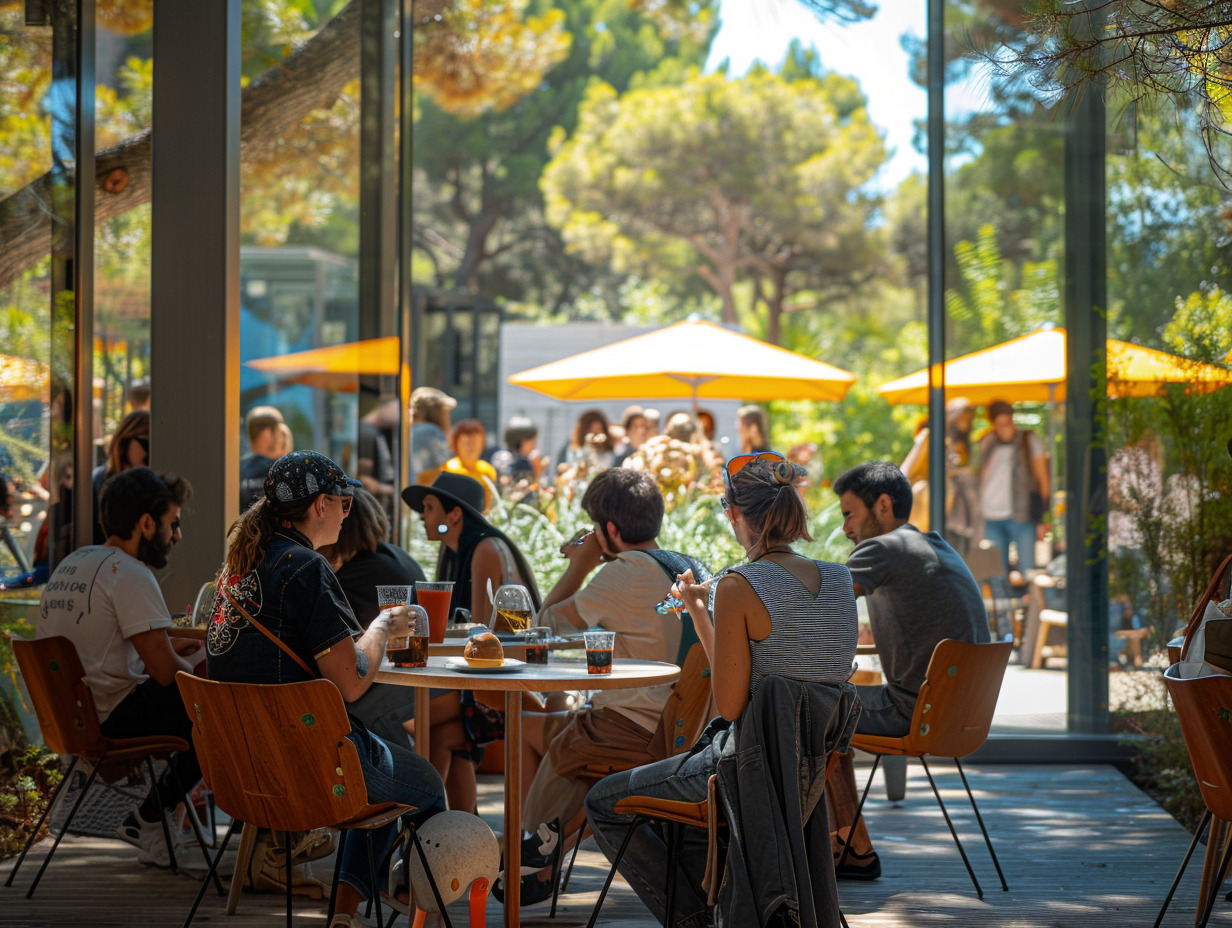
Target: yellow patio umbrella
{"x":1031,"y":368}
{"x":693,"y":360}
{"x":21,"y":379}
{"x":334,"y":367}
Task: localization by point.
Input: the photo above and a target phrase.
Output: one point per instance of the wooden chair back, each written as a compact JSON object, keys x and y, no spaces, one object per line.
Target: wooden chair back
{"x":62,"y":701}
{"x":688,"y":707}
{"x":276,"y":755}
{"x":1204,"y":709}
{"x":954,"y":710}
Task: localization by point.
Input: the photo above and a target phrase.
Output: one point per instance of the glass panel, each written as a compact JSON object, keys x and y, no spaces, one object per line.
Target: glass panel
{"x":1004,"y":188}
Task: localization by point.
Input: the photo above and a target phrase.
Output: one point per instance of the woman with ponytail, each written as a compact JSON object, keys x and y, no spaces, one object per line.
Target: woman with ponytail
{"x":779,"y":614}
{"x":280,"y":616}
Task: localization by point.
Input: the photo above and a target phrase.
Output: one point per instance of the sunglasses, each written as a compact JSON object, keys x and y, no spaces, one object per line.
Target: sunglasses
{"x":345,"y":500}
{"x":738,"y":463}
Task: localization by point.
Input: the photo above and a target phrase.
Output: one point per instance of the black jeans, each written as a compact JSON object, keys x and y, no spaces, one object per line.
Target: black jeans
{"x":154,"y":709}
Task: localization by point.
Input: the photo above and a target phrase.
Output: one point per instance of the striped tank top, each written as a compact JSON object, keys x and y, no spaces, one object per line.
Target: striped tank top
{"x":812,"y":638}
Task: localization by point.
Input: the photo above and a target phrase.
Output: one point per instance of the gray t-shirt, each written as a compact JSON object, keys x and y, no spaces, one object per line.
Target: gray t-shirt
{"x":919,"y":591}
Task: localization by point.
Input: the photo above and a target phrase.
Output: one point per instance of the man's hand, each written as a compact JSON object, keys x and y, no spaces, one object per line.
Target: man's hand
{"x":584,"y":553}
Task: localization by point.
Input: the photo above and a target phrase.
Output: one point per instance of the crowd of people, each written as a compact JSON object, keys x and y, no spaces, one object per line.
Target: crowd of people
{"x":294,"y":601}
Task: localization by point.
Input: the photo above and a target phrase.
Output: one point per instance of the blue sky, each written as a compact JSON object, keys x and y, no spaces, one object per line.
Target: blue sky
{"x":761,"y":30}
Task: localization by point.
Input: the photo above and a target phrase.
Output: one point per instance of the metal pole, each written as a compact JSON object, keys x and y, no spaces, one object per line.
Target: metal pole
{"x":936,"y":265}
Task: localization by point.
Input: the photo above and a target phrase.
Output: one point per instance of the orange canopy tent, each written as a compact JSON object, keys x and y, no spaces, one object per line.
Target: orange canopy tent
{"x":22,"y":379}
{"x":1031,"y":368}
{"x":694,"y":360}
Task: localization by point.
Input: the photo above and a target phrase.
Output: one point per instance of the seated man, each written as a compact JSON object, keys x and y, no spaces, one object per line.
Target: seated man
{"x":106,"y":600}
{"x":618,"y":727}
{"x":919,"y":591}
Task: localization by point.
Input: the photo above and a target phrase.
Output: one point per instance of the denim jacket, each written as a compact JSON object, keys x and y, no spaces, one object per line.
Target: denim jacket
{"x":771,"y":774}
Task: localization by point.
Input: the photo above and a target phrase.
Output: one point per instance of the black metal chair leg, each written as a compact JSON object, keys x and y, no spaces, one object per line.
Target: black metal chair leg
{"x":638,"y":821}
{"x":557,"y":864}
{"x":162,"y":815}
{"x":68,"y":821}
{"x":191,"y":814}
{"x":42,"y":818}
{"x":436,"y":893}
{"x":213,"y":873}
{"x":987,"y":840}
{"x":1220,"y":875}
{"x":936,"y":792}
{"x":563,"y":885}
{"x":1176,"y":881}
{"x":376,"y":886}
{"x":333,"y":887}
{"x":286,"y":876}
{"x":859,"y":810}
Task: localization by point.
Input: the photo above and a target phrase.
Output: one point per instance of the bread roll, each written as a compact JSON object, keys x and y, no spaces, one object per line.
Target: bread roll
{"x":484,"y":650}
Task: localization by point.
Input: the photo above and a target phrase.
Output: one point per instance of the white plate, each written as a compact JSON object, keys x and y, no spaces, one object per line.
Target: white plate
{"x":461,"y":666}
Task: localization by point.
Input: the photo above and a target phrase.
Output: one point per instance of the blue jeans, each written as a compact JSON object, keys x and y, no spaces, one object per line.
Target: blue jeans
{"x":878,"y":714}
{"x":1003,"y":531}
{"x":646,"y":862}
{"x":384,"y":707}
{"x":392,"y":773}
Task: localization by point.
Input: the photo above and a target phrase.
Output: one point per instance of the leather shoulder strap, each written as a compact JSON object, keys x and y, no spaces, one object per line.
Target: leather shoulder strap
{"x":266,"y":632}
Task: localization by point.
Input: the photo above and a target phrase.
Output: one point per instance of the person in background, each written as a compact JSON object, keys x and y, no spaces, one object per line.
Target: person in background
{"x":1013,"y":469}
{"x":520,"y":461}
{"x":430,"y":412}
{"x":653,"y":418}
{"x":637,"y":430}
{"x":467,"y":441}
{"x":286,"y":440}
{"x":273,"y":575}
{"x":591,"y":441}
{"x":375,"y":461}
{"x":107,"y":602}
{"x":139,"y":393}
{"x":261,"y":424}
{"x":753,"y":429}
{"x":129,"y":447}
{"x":705,"y":418}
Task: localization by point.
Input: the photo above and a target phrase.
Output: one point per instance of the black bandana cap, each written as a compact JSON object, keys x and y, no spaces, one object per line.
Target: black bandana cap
{"x":302,"y":475}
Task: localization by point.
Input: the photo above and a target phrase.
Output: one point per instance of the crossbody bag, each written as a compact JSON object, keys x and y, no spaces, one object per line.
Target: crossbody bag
{"x":266,"y":632}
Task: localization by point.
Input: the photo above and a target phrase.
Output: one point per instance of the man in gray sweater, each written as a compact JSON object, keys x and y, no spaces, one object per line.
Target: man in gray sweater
{"x":919,"y":591}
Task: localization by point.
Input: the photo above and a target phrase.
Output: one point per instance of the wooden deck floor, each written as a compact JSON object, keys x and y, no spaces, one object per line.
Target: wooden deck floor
{"x":1081,"y":846}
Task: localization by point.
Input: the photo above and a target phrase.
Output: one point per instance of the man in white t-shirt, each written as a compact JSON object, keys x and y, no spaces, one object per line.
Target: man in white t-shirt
{"x":1013,"y":466}
{"x":627,"y":509}
{"x":106,"y":600}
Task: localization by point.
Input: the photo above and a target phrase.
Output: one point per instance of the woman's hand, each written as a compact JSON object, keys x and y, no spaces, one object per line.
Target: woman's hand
{"x":694,"y":595}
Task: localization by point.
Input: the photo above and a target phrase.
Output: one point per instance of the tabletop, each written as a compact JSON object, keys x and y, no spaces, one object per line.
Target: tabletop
{"x":538,"y":678}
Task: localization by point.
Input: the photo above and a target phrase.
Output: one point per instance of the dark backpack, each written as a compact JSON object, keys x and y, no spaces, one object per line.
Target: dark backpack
{"x":674,"y":563}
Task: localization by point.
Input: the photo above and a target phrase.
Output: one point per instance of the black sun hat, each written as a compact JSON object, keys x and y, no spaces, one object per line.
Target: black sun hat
{"x":302,"y":475}
{"x":452,"y":490}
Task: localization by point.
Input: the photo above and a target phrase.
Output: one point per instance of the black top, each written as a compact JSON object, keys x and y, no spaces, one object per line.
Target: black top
{"x":253,"y":470}
{"x":361,"y":574}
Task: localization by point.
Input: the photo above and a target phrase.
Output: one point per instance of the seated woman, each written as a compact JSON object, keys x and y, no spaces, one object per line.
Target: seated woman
{"x":474,"y":554}
{"x":781,"y":614}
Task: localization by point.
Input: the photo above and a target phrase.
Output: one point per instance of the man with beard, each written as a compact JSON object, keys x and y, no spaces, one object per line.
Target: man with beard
{"x":106,"y":600}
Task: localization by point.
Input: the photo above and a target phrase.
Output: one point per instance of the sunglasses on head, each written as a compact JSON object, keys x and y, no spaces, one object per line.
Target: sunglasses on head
{"x":738,"y":463}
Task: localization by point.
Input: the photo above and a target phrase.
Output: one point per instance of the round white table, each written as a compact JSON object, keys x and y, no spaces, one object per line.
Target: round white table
{"x":553,"y":677}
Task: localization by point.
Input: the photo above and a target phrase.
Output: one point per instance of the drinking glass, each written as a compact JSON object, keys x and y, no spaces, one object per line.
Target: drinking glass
{"x":394,"y":595}
{"x":435,"y":597}
{"x":512,"y":610}
{"x":537,"y":644}
{"x":410,"y":648}
{"x":599,"y":644}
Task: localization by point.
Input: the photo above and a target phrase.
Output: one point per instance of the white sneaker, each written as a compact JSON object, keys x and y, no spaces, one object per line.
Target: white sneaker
{"x":147,"y":837}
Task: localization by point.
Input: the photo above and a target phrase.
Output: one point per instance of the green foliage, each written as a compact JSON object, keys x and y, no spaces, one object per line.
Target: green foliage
{"x":26,"y":785}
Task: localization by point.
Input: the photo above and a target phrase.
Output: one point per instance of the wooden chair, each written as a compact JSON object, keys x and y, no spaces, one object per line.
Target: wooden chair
{"x":68,"y":718}
{"x":276,"y":756}
{"x":953,"y":714}
{"x":1048,"y":619}
{"x":1202,"y":707}
{"x":685,"y":713}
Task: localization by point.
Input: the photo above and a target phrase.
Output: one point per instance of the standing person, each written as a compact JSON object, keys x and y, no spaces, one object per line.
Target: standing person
{"x":429,"y":446}
{"x":129,"y":447}
{"x":374,"y":461}
{"x":753,"y":429}
{"x":590,"y":442}
{"x":637,"y":429}
{"x":139,"y":394}
{"x":280,"y":616}
{"x":1014,"y":486}
{"x":467,"y":441}
{"x":261,"y":424}
{"x":520,"y":461}
{"x":633,"y":576}
{"x":780,"y":614}
{"x":106,"y":600}
{"x":919,"y":591}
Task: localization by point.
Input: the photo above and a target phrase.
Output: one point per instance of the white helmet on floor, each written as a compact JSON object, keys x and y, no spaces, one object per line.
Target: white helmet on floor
{"x":460,"y":849}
